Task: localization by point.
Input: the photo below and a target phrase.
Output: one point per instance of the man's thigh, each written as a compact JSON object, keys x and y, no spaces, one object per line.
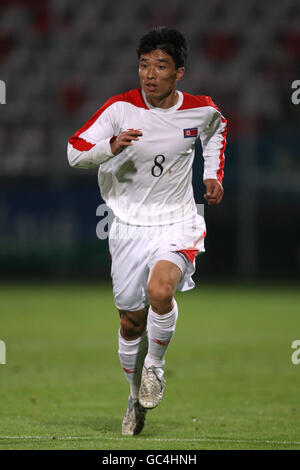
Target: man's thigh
{"x":129,"y":272}
{"x":141,"y":251}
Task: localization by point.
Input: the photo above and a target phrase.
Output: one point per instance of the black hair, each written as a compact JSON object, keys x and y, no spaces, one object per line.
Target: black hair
{"x":168,"y":40}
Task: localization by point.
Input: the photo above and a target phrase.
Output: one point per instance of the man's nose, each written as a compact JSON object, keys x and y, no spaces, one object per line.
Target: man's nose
{"x":151,"y":72}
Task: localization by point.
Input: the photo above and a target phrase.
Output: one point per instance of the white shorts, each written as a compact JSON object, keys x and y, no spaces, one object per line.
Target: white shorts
{"x":134,"y":250}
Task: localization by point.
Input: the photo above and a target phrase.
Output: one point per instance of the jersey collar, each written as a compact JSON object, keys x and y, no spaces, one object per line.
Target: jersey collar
{"x":162,"y":110}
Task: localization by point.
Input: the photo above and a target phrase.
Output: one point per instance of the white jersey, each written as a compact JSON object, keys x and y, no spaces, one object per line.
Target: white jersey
{"x":150,"y":182}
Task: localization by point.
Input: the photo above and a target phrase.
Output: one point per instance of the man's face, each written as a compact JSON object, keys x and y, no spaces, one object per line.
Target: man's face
{"x":158,"y":75}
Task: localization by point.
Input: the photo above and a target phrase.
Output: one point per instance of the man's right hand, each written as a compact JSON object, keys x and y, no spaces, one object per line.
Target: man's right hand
{"x":124,"y":140}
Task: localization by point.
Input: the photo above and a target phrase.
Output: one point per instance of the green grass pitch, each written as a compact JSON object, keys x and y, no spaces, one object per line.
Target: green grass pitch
{"x":231,"y":383}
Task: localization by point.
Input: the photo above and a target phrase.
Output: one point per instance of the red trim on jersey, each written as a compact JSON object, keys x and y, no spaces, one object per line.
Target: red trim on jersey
{"x":133,"y":97}
{"x":220,"y":173}
{"x":81,"y":144}
{"x":196,"y":101}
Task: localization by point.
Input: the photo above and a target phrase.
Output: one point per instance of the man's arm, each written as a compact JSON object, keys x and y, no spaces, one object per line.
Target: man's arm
{"x":213,"y":141}
{"x":90,"y":145}
{"x":95,"y":142}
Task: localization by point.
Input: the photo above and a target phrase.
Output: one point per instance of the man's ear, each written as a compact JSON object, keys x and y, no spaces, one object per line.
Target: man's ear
{"x":179,"y":73}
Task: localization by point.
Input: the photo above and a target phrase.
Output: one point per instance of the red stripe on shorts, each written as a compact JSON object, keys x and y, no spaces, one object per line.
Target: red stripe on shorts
{"x":190,"y":254}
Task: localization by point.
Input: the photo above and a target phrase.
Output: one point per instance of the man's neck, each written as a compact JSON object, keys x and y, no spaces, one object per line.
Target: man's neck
{"x":165,"y":102}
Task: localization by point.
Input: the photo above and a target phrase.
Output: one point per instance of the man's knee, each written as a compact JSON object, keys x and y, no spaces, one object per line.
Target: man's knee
{"x":160,"y":294}
{"x":132,"y":324}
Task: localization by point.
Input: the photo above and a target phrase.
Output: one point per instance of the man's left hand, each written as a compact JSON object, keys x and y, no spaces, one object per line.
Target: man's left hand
{"x":214,"y":191}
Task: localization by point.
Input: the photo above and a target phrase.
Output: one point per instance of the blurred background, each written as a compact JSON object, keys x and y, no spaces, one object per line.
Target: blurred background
{"x":62,"y":59}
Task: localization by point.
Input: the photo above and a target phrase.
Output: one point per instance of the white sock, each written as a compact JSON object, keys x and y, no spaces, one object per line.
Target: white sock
{"x":132,"y":354}
{"x":160,"y":329}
